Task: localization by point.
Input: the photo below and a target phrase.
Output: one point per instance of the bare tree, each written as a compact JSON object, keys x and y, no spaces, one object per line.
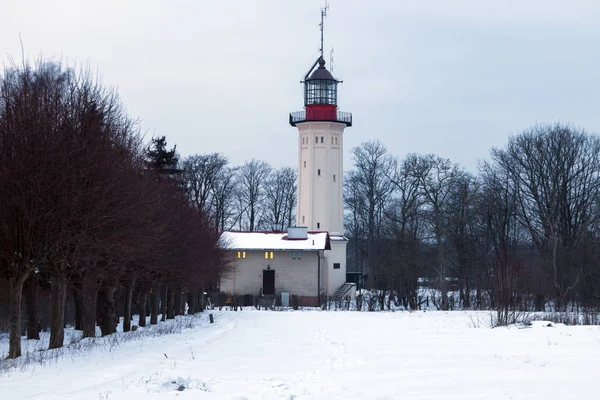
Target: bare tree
{"x":437,"y":177}
{"x":404,"y":223}
{"x":200,"y":174}
{"x":252,"y":179}
{"x":462,"y":232}
{"x":502,"y":236}
{"x":555,"y":171}
{"x":280,"y":199}
{"x":373,"y":167}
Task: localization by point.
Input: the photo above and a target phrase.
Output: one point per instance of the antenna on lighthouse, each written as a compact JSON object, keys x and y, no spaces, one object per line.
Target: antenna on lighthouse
{"x":323,"y":15}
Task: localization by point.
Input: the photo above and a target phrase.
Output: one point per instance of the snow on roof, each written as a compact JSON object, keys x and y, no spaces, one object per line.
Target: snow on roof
{"x":273,"y":241}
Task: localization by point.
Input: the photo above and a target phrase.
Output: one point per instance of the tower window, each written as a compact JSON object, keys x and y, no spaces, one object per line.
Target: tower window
{"x":332,"y":140}
{"x":334,"y":178}
{"x":321,"y":139}
{"x":316,"y":139}
{"x":318,"y":225}
{"x":319,"y":172}
{"x":336,"y":140}
{"x":303,"y":219}
{"x":304,"y":164}
{"x":336,"y":265}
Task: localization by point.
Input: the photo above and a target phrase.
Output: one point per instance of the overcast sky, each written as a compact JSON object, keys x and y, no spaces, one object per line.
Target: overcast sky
{"x":427,"y":76}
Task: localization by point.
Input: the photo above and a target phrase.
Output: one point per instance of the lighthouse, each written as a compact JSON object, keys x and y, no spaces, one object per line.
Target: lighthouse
{"x":321,"y":128}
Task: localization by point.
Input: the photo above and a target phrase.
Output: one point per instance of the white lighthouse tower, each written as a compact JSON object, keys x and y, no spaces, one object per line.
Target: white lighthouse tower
{"x":320,"y":167}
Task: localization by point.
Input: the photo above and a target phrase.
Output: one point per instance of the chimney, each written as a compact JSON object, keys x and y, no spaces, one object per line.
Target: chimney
{"x":297,"y":232}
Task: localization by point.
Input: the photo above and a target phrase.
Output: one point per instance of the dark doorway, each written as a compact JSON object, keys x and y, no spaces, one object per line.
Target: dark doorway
{"x":268,"y":281}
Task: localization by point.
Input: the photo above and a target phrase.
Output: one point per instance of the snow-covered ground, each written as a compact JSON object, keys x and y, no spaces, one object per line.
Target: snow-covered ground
{"x":328,"y":355}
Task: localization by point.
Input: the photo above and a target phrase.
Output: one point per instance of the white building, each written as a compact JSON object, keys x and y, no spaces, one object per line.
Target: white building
{"x":263,"y":257}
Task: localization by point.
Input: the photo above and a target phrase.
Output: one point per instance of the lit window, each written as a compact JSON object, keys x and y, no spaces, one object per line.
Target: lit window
{"x":266,"y":255}
{"x":271,"y":255}
{"x":241,"y":254}
{"x":336,"y":265}
{"x":319,"y":172}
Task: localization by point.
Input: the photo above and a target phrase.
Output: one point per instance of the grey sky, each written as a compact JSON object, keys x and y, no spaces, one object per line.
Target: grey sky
{"x":429,"y":76}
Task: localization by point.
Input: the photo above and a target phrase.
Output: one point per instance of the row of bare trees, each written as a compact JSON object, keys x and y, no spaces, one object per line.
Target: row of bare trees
{"x":523,"y":232}
{"x":88,"y":213}
{"x":249,"y":197}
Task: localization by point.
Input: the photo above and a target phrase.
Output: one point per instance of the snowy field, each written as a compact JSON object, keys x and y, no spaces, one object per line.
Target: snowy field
{"x":327,"y":355}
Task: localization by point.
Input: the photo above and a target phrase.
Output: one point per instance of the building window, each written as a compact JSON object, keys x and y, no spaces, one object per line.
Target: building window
{"x":268,"y":255}
{"x":318,"y":225}
{"x":316,"y":139}
{"x":241,"y":254}
{"x":334,"y":178}
{"x":271,"y":255}
{"x":336,"y":140}
{"x":336,"y":265}
{"x":303,"y":219}
{"x":293,"y":255}
{"x":332,"y":140}
{"x":321,"y":139}
{"x":319,"y":172}
{"x":304,"y":164}
{"x":299,"y":255}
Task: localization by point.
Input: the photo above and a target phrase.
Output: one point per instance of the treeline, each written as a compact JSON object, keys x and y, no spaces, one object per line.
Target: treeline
{"x":523,"y":233}
{"x":89,"y":215}
{"x":250,"y":197}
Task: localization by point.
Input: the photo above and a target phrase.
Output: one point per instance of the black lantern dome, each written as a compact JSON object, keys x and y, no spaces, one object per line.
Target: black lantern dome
{"x":320,"y":87}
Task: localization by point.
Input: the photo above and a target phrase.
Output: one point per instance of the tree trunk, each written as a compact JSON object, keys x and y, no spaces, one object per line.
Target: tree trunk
{"x":143,"y":306}
{"x":15,"y":295}
{"x":442,"y":268}
{"x":170,"y":304}
{"x":128,"y":301}
{"x":201,"y":300}
{"x":88,"y":293}
{"x":58,"y":286}
{"x":78,"y":309}
{"x":108,"y":311}
{"x":32,"y":300}
{"x":177,"y":301}
{"x":163,"y":306}
{"x":154,"y":305}
{"x":191,"y":298}
{"x":90,"y":301}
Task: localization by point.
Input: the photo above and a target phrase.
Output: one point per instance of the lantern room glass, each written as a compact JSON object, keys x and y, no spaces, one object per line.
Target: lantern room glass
{"x":320,"y":91}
